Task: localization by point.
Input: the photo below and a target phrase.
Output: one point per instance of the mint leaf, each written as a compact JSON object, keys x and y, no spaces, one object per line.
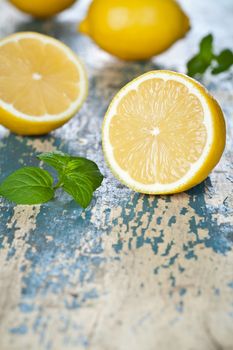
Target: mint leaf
{"x":201,"y":61}
{"x":196,"y":66}
{"x":29,"y":185}
{"x":57,"y":160}
{"x":224,"y":61}
{"x":84,"y":168}
{"x":78,"y":176}
{"x":206,"y":59}
{"x":81,"y":178}
{"x":80,"y":188}
{"x":206,"y":48}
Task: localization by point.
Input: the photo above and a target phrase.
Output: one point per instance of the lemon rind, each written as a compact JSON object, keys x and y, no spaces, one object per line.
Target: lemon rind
{"x":83,"y":85}
{"x":193,"y":176}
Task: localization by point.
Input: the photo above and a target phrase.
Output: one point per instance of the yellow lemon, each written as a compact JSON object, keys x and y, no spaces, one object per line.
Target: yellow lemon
{"x":42,"y":83}
{"x":42,"y":8}
{"x":163,"y":133}
{"x":135,"y":29}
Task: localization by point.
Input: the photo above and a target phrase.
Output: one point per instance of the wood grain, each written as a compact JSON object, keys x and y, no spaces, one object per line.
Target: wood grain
{"x":132,"y":271}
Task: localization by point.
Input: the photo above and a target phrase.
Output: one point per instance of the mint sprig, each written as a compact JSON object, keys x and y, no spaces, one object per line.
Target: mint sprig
{"x":77,"y":176}
{"x":206,"y":59}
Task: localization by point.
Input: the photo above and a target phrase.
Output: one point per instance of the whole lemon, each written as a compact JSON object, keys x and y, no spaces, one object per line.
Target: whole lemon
{"x":135,"y":29}
{"x":42,"y":8}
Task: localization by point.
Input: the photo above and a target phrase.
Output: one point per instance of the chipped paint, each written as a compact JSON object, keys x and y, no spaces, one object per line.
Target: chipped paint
{"x":132,"y":271}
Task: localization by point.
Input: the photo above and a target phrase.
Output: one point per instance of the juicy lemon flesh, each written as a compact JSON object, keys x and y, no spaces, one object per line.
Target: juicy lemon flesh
{"x":37,"y":78}
{"x":42,"y":83}
{"x":42,"y":8}
{"x":135,"y":29}
{"x":163,"y":133}
{"x":158,"y":132}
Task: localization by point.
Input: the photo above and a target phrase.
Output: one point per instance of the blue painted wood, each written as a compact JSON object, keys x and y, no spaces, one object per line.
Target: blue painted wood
{"x":132,"y":271}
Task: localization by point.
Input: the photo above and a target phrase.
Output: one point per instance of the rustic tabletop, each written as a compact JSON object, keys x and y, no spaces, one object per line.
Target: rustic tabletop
{"x":132,"y":271}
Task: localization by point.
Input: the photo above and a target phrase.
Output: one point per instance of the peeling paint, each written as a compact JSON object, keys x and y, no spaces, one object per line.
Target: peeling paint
{"x":132,"y":270}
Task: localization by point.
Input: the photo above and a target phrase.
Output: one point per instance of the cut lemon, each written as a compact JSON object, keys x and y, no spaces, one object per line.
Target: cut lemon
{"x":42,"y":83}
{"x":163,"y":133}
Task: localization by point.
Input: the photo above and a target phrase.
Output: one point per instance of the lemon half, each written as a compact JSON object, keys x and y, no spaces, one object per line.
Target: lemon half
{"x":163,"y":133}
{"x":42,"y":83}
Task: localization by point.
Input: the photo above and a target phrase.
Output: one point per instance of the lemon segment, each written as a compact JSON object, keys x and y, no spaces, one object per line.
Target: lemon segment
{"x":135,"y":29}
{"x":42,"y":8}
{"x":42,"y":83}
{"x":163,"y":133}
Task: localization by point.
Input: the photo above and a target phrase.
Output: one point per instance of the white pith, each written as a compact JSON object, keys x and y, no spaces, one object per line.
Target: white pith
{"x":74,"y":106}
{"x":124,"y":175}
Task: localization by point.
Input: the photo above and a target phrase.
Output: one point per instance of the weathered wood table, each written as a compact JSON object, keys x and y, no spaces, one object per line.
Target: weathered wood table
{"x":132,"y":271}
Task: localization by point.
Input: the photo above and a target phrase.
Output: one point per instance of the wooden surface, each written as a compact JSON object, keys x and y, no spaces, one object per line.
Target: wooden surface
{"x":132,"y":271}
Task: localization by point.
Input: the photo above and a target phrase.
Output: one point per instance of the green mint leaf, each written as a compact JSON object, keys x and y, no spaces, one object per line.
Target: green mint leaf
{"x":78,"y":176}
{"x":81,"y":179}
{"x":224,"y":61}
{"x":207,"y":59}
{"x":80,"y":188}
{"x":197,"y":66}
{"x":85,"y":168}
{"x":201,"y":61}
{"x":29,"y":185}
{"x":206,"y":48}
{"x":57,"y":160}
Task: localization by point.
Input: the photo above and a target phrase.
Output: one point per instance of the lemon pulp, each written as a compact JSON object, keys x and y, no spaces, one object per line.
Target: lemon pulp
{"x":163,"y":133}
{"x":41,"y":81}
